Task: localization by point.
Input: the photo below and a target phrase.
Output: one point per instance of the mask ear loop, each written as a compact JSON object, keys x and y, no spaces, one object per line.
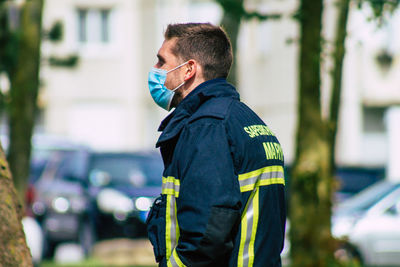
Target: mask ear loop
{"x":179,"y":86}
{"x":177,"y":67}
{"x":173,"y":91}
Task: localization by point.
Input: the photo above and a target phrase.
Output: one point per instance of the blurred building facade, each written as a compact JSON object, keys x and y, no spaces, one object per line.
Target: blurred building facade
{"x":369,"y":120}
{"x":104,"y":100}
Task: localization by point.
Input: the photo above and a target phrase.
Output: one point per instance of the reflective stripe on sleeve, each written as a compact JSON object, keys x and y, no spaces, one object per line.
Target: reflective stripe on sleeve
{"x":264,"y":176}
{"x":171,"y":225}
{"x":249,"y":224}
{"x":175,"y":261}
{"x":170,"y":186}
{"x":252,"y":181}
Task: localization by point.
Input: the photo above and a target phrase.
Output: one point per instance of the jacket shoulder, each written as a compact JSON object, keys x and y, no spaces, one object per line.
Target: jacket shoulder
{"x":216,"y":108}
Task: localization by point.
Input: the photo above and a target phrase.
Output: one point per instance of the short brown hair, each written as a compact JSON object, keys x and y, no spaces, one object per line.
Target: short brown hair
{"x":209,"y":45}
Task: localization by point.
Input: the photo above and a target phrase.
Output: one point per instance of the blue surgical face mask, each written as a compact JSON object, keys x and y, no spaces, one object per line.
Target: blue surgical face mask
{"x":161,"y":94}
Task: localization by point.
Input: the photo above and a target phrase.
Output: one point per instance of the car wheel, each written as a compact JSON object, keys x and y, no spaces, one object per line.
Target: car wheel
{"x":87,"y":237}
{"x":349,"y":254}
{"x":49,"y":247}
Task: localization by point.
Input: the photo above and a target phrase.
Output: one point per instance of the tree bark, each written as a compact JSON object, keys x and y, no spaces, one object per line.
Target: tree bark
{"x":311,"y":184}
{"x":23,"y":94}
{"x":338,"y":57}
{"x":13,"y":248}
{"x":231,"y":24}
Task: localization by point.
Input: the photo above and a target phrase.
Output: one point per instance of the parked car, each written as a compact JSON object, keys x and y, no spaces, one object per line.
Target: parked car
{"x":369,"y":224}
{"x":123,"y":187}
{"x":62,"y":206}
{"x":83,"y":195}
{"x":352,"y":180}
{"x":44,"y":198}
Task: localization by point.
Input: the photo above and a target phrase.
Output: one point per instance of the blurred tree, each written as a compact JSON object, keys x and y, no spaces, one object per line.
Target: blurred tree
{"x":25,"y":37}
{"x":13,"y":248}
{"x":20,"y":39}
{"x":312,"y":183}
{"x":311,"y":180}
{"x":234,"y":13}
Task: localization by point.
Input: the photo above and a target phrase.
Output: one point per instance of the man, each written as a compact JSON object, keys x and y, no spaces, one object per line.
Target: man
{"x":222,"y":201}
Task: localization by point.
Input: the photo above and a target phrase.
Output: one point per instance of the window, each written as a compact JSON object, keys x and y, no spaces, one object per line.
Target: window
{"x":82,"y":22}
{"x":373,"y":119}
{"x":105,"y":17}
{"x":93,"y":25}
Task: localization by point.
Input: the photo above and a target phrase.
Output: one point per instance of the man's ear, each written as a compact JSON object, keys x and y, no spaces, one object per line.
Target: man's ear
{"x":191,"y":69}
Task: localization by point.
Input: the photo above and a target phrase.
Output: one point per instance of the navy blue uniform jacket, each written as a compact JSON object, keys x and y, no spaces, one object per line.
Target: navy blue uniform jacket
{"x":222,"y":201}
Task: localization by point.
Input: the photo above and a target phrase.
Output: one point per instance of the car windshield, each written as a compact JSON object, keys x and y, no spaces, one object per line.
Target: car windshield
{"x":39,"y":160}
{"x":127,"y":169}
{"x":366,"y":198}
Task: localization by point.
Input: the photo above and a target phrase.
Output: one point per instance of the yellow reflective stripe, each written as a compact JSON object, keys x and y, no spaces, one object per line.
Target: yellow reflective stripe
{"x":170,"y":186}
{"x":255,"y":224}
{"x":275,"y":168}
{"x":177,"y":232}
{"x":264,"y":176}
{"x":242,"y":240}
{"x":272,"y":181}
{"x":249,"y":223}
{"x":175,"y":261}
{"x":168,"y":240}
{"x":170,"y":192}
{"x":252,"y":181}
{"x":171,"y":226}
{"x":247,"y":217}
{"x":170,"y":179}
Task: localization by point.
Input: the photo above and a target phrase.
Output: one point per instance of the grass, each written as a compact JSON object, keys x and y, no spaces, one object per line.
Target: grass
{"x":85,"y":263}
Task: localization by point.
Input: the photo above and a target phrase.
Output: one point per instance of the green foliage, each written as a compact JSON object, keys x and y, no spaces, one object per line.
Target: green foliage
{"x":234,"y":12}
{"x":259,"y":16}
{"x":384,"y":59}
{"x":8,"y":42}
{"x":56,"y":32}
{"x":380,"y":7}
{"x":69,"y":61}
{"x":234,"y":7}
{"x":297,"y":15}
{"x":237,"y":10}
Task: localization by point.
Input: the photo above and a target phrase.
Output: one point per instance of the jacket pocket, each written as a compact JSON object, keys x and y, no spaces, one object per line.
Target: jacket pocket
{"x":156,"y":227}
{"x":217,"y":242}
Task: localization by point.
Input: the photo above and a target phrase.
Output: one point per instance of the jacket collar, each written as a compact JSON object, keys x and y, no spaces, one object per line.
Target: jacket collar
{"x":174,"y":122}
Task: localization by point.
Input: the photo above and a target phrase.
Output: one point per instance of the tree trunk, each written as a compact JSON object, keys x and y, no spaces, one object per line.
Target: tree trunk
{"x":311,"y":184}
{"x":338,"y":57}
{"x":23,"y":94}
{"x":13,"y":248}
{"x":231,"y":24}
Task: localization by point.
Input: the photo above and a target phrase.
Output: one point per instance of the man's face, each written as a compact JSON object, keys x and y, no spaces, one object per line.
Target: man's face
{"x":167,"y":61}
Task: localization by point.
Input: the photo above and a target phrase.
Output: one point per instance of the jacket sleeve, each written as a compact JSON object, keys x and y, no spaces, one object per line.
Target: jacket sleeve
{"x":209,"y":202}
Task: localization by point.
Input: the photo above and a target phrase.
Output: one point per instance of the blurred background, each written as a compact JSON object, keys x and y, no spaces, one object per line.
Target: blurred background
{"x":94,"y":171}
